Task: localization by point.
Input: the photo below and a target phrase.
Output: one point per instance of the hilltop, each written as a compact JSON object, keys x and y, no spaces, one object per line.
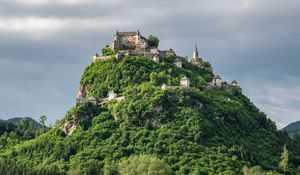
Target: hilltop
{"x":139,"y":105}
{"x":293,"y":128}
{"x":17,"y":130}
{"x":15,"y":120}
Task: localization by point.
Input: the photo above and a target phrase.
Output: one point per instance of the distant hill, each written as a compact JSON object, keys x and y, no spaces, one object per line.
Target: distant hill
{"x":31,"y":120}
{"x":293,"y":128}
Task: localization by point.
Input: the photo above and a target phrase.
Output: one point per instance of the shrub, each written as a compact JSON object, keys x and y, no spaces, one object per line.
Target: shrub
{"x":106,"y":51}
{"x":153,"y":41}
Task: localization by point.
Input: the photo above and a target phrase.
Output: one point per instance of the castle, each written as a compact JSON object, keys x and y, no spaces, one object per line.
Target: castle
{"x":218,"y":83}
{"x":134,"y":44}
{"x":129,"y":41}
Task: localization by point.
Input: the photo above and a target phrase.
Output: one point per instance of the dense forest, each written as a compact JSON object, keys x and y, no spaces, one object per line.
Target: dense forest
{"x":154,"y":130}
{"x":17,"y":130}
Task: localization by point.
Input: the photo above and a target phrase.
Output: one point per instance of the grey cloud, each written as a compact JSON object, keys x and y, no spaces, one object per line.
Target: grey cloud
{"x":55,"y":10}
{"x":278,"y":98}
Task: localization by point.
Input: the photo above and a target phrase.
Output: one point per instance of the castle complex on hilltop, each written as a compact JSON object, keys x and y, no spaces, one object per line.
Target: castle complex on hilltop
{"x":134,"y":44}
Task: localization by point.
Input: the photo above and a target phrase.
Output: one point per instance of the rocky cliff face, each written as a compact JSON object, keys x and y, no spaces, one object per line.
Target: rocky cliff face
{"x":83,"y":90}
{"x":78,"y":117}
{"x":69,"y":127}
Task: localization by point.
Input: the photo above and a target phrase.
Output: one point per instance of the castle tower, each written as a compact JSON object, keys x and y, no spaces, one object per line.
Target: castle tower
{"x":234,"y":83}
{"x":178,"y":63}
{"x":116,"y":44}
{"x":185,"y":82}
{"x":117,"y":35}
{"x":137,"y":37}
{"x":196,"y":60}
{"x":217,"y":81}
{"x":112,"y":95}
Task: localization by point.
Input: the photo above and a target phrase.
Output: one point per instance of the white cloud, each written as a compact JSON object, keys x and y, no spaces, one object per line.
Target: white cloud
{"x":41,"y":28}
{"x":30,"y":27}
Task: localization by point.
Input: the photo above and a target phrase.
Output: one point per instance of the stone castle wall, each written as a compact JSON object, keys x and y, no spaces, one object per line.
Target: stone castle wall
{"x":101,"y":58}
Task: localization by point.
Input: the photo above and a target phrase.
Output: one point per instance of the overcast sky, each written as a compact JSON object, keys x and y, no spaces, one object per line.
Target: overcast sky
{"x":46,"y":44}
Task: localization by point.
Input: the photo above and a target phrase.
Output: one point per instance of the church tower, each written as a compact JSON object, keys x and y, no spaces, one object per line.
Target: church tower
{"x":196,"y":60}
{"x":196,"y":53}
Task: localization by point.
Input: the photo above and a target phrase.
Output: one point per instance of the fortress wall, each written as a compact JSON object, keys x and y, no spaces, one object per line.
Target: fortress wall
{"x":102,"y":58}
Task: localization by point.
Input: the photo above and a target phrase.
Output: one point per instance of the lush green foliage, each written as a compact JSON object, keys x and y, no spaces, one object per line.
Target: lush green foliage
{"x":12,"y":134}
{"x":107,"y":51}
{"x":184,"y":131}
{"x":15,"y":120}
{"x":153,"y":41}
{"x":130,"y":73}
{"x":143,"y":165}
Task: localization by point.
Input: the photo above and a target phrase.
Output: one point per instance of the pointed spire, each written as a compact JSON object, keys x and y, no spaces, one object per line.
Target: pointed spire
{"x":217,"y":77}
{"x":138,"y":32}
{"x":196,"y":53}
{"x":117,"y":33}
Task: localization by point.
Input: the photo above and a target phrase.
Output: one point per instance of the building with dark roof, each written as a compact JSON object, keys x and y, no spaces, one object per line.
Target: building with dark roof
{"x":234,"y":83}
{"x":185,"y":82}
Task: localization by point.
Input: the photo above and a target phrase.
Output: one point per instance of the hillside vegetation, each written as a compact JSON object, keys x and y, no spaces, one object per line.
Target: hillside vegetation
{"x":17,"y":130}
{"x":156,"y":131}
{"x":35,"y":124}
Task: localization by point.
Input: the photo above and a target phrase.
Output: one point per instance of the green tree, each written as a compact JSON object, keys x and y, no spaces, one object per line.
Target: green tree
{"x":142,"y":165}
{"x":107,"y":51}
{"x":256,"y":170}
{"x":153,"y":41}
{"x":206,"y":64}
{"x":24,"y":125}
{"x":56,"y":123}
{"x":283,"y":164}
{"x":42,"y":120}
{"x":245,"y":170}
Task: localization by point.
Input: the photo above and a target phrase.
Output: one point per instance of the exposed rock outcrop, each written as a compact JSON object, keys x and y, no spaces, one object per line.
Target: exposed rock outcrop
{"x":69,"y":127}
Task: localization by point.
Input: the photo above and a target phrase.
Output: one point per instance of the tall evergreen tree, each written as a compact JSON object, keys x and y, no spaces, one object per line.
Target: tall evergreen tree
{"x":283,"y":164}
